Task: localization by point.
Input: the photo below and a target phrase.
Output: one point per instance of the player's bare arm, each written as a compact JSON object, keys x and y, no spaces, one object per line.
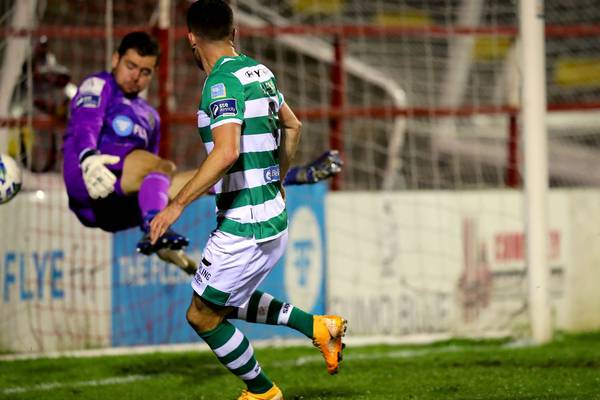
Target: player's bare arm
{"x":221,"y":158}
{"x":290,"y":132}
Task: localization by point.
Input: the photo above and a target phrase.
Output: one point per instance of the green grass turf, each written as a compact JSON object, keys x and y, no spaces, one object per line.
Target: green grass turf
{"x":568,"y":368}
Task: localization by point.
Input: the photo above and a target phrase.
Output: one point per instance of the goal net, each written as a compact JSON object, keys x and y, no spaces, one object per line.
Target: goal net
{"x":422,"y":233}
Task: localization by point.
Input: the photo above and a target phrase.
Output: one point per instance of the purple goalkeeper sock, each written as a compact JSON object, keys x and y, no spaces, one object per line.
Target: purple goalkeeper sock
{"x":153,"y":195}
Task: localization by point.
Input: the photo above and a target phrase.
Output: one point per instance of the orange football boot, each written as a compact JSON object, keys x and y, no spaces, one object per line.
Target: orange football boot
{"x":328,"y":331}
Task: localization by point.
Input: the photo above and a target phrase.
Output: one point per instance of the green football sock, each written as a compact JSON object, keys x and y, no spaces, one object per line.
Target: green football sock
{"x":235,"y":352}
{"x":265,"y":309}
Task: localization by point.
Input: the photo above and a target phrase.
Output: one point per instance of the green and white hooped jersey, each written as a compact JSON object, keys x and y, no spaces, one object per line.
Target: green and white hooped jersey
{"x":240,"y":90}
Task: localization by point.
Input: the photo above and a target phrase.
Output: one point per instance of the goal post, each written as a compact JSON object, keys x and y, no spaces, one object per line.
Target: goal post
{"x":531,"y":23}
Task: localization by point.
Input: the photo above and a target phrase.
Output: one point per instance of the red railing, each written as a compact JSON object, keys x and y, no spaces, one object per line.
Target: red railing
{"x":337,"y":111}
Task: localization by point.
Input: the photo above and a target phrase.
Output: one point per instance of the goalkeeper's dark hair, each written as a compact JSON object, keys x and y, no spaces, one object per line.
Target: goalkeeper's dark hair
{"x":141,"y":42}
{"x":210,"y":19}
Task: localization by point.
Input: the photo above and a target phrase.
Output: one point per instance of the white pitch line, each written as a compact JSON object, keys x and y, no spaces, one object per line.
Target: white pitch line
{"x":58,"y":385}
{"x":287,"y":363}
{"x":405,"y":354}
{"x":353,"y":341}
{"x":370,"y":356}
{"x":396,"y":354}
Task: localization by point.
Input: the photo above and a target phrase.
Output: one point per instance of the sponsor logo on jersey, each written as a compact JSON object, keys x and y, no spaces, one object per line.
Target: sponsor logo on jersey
{"x":217,"y":91}
{"x":88,"y":101}
{"x":271,"y":174}
{"x":140,"y":132}
{"x":223,"y":108}
{"x":256,"y":72}
{"x":122,"y":125}
{"x":93,"y":85}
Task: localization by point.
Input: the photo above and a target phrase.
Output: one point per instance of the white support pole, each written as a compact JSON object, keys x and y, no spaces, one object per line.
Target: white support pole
{"x":16,"y":52}
{"x":108,"y":29}
{"x":460,"y":55}
{"x":531,"y":22}
{"x":164,"y":7}
{"x":456,"y":79}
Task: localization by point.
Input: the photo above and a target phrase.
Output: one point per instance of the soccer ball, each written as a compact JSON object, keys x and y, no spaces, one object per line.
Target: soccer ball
{"x":10,"y":178}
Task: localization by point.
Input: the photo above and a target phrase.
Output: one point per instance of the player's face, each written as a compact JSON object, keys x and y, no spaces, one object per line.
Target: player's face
{"x":132,"y":71}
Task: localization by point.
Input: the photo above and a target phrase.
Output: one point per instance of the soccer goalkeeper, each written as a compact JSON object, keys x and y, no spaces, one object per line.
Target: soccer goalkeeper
{"x":114,"y":178}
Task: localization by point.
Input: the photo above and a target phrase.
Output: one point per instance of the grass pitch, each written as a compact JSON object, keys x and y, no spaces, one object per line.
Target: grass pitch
{"x":568,"y":368}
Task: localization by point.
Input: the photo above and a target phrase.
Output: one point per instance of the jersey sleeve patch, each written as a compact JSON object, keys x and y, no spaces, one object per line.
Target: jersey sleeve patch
{"x":92,"y":86}
{"x":90,"y":91}
{"x":217,"y":91}
{"x":88,"y":101}
{"x":223,"y":108}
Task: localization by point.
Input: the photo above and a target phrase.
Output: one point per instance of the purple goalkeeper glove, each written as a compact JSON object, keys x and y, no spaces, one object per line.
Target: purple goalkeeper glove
{"x":325,"y":166}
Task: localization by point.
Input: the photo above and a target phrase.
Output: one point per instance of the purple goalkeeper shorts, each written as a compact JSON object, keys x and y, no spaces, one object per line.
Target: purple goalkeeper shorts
{"x":114,"y":213}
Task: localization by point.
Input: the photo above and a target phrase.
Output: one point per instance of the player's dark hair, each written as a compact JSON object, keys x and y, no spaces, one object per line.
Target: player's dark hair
{"x":210,"y":19}
{"x":141,"y":42}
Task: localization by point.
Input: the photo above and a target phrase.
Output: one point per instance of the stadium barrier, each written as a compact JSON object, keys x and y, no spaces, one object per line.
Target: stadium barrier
{"x":87,"y":289}
{"x":84,"y":288}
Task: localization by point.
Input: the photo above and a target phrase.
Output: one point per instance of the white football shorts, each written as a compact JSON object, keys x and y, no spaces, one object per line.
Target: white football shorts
{"x":232,"y":267}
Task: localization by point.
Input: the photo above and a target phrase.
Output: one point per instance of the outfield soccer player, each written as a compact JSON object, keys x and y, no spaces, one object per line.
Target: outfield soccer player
{"x":251,"y":136}
{"x":114,"y":178}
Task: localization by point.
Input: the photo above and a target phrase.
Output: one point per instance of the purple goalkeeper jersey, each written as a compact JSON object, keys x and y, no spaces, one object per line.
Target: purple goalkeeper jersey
{"x":102,"y":118}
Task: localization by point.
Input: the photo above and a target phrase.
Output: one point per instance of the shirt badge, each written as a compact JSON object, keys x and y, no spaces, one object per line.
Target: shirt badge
{"x":223,"y":108}
{"x":217,"y":91}
{"x":122,"y":125}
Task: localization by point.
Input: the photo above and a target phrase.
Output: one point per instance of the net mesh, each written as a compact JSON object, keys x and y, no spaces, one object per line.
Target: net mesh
{"x":427,"y":101}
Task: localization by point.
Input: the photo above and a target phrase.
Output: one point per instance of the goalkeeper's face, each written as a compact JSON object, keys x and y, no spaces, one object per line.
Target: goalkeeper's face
{"x":132,"y":71}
